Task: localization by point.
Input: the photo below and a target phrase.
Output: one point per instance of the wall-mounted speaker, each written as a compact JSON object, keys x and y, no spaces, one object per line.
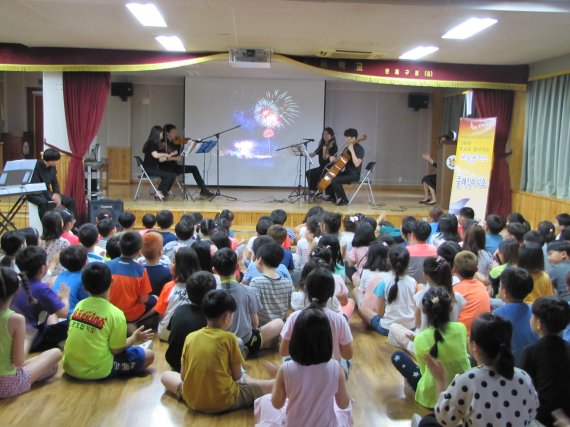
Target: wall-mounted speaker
{"x":418,"y":101}
{"x":122,"y":90}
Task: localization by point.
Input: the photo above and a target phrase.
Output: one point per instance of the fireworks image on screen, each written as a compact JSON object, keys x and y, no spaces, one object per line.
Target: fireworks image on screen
{"x":274,"y":111}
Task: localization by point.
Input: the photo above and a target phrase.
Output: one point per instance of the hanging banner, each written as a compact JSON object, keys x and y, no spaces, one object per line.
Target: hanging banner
{"x":473,"y":164}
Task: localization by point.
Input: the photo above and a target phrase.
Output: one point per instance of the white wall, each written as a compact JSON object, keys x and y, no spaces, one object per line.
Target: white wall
{"x":15,"y":99}
{"x":550,"y":66}
{"x":155,"y":101}
{"x":397,"y":135}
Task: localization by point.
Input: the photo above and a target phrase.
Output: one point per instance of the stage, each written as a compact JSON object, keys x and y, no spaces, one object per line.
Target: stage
{"x":251,"y":203}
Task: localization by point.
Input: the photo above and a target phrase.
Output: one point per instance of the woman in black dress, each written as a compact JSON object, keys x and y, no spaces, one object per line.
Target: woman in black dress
{"x":327,"y":147}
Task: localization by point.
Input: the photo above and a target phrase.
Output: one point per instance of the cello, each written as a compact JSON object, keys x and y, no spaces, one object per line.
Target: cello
{"x":336,"y":167}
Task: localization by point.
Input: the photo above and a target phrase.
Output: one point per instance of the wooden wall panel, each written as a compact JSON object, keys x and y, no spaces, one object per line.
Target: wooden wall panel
{"x":62,"y":171}
{"x":119,"y":165}
{"x":536,"y":208}
{"x":517,"y":139}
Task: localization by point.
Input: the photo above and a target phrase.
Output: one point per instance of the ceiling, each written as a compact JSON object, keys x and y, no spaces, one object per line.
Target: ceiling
{"x":526,"y":32}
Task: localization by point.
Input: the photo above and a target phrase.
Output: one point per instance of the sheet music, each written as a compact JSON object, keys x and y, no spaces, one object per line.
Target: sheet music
{"x":188,"y":148}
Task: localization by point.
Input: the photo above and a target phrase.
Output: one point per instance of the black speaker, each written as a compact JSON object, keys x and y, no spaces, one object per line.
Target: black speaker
{"x":418,"y":101}
{"x":122,"y":90}
{"x":95,"y":207}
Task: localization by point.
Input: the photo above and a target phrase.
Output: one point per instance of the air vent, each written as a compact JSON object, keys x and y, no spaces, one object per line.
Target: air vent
{"x":349,"y":54}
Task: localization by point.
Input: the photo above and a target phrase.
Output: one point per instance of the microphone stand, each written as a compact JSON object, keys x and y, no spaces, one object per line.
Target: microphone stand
{"x":217,"y":135}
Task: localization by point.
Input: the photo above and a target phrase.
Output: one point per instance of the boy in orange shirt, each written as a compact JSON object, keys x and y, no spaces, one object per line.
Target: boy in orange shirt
{"x":474,"y":291}
{"x":131,"y":286}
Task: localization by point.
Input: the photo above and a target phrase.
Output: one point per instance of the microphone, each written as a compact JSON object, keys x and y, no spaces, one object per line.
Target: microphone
{"x":308,"y":139}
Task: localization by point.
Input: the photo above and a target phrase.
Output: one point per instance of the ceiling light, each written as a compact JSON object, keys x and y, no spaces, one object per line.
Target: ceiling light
{"x":172,"y":43}
{"x":468,"y":28}
{"x":419,"y":52}
{"x":147,"y":14}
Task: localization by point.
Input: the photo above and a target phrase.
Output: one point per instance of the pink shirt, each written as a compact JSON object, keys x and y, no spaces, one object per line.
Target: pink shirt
{"x":311,"y":390}
{"x":341,"y":334}
{"x":358,"y":256}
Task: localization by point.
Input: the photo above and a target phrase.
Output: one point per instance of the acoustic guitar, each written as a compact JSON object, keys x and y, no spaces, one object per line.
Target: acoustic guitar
{"x":336,"y":167}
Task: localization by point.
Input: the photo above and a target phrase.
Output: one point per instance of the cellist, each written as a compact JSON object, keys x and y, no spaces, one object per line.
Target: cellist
{"x":351,"y":172}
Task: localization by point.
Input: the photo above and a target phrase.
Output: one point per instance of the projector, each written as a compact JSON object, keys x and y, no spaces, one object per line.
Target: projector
{"x":250,"y":58}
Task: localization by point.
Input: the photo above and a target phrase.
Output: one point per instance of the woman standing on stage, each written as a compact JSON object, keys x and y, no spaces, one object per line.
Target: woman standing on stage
{"x":327,"y":148}
{"x":176,"y":162}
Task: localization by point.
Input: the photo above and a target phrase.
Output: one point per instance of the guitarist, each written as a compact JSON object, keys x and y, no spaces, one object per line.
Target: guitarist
{"x":351,"y":172}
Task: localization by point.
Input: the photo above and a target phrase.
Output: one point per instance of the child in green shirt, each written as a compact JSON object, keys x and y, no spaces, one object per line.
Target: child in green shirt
{"x":443,"y":340}
{"x":97,"y":345}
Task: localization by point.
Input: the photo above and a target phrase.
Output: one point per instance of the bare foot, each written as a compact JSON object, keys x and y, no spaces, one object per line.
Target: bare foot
{"x":270,"y":367}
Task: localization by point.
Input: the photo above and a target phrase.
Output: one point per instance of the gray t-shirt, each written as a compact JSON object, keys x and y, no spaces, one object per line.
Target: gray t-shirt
{"x":274,"y":295}
{"x":557,"y":275}
{"x":248,"y":304}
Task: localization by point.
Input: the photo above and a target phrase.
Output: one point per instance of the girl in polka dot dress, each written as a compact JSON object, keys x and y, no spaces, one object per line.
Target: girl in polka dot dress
{"x":494,"y":393}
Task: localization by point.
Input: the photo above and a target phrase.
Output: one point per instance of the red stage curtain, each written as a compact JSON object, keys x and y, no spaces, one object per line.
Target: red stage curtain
{"x":499,"y":104}
{"x":85,"y":96}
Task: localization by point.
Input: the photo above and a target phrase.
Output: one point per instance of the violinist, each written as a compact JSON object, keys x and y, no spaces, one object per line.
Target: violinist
{"x":175,"y":163}
{"x":327,"y":147}
{"x":351,"y":172}
{"x":154,"y":157}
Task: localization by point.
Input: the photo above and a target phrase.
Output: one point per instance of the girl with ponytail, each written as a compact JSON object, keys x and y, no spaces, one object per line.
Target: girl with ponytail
{"x":442,"y":340}
{"x":493,"y":393}
{"x":395,"y":296}
{"x":16,"y":373}
{"x":437,"y":273}
{"x":319,"y":288}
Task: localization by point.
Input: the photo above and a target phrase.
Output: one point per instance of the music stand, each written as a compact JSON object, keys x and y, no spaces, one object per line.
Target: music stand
{"x":300,"y":150}
{"x":217,"y":135}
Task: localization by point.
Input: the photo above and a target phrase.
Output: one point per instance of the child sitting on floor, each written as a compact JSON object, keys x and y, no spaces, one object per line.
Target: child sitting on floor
{"x":131,"y":290}
{"x":73,"y":259}
{"x":310,"y":389}
{"x":174,"y":294}
{"x":37,"y":302}
{"x":472,"y":290}
{"x":319,"y":286}
{"x":375,"y":269}
{"x":548,"y":361}
{"x":395,"y":296}
{"x":516,"y":284}
{"x":17,"y":373}
{"x":97,"y":345}
{"x":211,"y":379}
{"x":443,"y":339}
{"x":245,"y":322}
{"x":299,"y":299}
{"x":438,"y":274}
{"x":273,"y":290}
{"x":188,"y":318}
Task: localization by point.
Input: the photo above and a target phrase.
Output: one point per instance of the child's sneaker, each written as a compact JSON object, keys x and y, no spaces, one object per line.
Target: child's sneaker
{"x":147,"y":345}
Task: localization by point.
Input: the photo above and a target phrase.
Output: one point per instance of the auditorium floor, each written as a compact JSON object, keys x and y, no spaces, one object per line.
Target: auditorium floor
{"x":375,"y":386}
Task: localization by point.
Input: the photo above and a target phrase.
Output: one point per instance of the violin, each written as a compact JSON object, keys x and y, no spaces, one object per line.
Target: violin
{"x":336,"y":167}
{"x":180,"y":140}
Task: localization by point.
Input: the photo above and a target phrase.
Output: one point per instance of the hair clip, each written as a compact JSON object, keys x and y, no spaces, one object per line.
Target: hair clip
{"x":327,"y":246}
{"x":435,"y":300}
{"x":385,"y":244}
{"x":353,"y":218}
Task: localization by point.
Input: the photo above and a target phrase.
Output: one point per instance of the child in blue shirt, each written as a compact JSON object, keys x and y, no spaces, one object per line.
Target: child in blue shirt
{"x":72,"y":258}
{"x":515,"y":285}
